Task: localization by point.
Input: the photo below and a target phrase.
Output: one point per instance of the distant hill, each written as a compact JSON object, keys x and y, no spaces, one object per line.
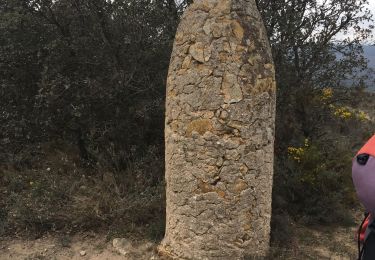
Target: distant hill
{"x":370,"y":55}
{"x":369,"y":52}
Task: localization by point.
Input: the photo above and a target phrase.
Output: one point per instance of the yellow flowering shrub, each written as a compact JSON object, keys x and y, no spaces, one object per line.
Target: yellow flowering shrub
{"x":296,"y":153}
{"x":362,"y":116}
{"x":347,"y":113}
{"x":313,"y":171}
{"x":327,"y":93}
{"x":343,"y":112}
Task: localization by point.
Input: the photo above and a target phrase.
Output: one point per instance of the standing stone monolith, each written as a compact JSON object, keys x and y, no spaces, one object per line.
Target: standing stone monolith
{"x":219,"y":134}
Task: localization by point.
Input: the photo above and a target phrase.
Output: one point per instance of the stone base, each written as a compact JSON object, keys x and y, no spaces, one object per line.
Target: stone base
{"x":164,"y":254}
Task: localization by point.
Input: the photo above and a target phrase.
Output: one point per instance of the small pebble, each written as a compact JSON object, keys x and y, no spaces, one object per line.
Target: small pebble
{"x":82,"y":253}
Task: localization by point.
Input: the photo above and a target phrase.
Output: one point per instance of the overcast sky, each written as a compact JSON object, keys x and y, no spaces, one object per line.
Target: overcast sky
{"x":350,"y":33}
{"x":372,"y":7}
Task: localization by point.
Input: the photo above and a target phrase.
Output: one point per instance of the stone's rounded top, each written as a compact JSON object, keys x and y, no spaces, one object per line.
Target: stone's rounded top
{"x":214,"y":7}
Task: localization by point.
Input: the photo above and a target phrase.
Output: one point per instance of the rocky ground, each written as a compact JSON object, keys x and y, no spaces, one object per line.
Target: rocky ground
{"x":310,"y":243}
{"x":84,"y":246}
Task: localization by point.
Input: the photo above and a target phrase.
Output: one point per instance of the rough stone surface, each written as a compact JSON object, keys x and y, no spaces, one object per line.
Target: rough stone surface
{"x":219,"y":134}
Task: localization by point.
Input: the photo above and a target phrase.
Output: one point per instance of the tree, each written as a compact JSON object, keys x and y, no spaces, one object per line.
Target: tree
{"x":317,"y":50}
{"x":309,"y":54}
{"x":92,"y":73}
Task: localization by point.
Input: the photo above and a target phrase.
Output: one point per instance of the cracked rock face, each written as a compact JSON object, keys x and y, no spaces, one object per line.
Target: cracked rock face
{"x":219,"y":134}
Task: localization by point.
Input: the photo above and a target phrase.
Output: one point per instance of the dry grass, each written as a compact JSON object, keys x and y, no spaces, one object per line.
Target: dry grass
{"x":59,"y":194}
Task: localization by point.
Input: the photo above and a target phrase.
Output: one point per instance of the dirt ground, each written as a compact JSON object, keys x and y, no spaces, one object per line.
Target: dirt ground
{"x":84,"y":246}
{"x":310,"y":243}
{"x":324,"y":243}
